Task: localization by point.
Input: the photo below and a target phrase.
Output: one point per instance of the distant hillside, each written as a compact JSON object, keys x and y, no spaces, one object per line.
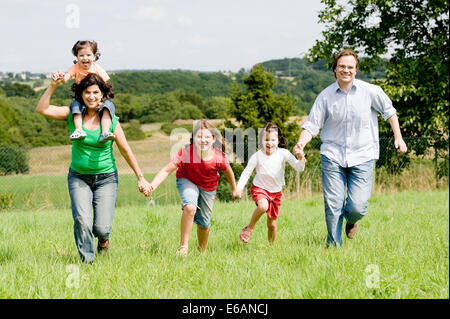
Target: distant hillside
{"x":157,"y":96}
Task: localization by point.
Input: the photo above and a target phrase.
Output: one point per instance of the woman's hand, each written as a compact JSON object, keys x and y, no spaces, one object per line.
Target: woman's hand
{"x":57,"y":78}
{"x":45,"y":108}
{"x":145,"y":187}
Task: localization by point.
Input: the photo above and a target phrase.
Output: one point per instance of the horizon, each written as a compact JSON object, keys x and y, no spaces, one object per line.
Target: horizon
{"x":246,"y":69}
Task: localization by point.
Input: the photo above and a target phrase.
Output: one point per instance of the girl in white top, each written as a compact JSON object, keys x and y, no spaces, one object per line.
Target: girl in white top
{"x":266,"y":187}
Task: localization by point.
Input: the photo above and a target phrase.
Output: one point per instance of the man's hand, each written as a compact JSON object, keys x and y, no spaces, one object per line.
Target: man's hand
{"x":298,"y":151}
{"x":400,"y":145}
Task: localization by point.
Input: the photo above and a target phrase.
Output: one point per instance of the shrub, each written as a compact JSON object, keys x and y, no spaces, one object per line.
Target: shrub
{"x":168,"y":127}
{"x":13,"y":159}
{"x":7,"y":201}
{"x":133,"y":131}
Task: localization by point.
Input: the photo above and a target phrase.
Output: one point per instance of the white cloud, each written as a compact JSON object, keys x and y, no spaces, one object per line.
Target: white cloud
{"x":151,"y":13}
{"x":184,"y":21}
{"x":10,"y":56}
{"x":199,"y":40}
{"x":251,"y":52}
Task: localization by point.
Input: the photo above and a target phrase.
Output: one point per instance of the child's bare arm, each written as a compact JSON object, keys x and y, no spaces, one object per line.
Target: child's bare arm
{"x":67,"y":77}
{"x":162,"y":175}
{"x":229,"y":174}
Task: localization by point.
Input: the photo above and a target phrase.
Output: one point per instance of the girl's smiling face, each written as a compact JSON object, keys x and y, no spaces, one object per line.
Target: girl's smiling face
{"x":204,"y":140}
{"x":85,"y":57}
{"x":270,"y":142}
{"x":92,"y":96}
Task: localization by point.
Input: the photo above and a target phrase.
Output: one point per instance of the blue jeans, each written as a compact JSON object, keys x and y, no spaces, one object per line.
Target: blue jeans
{"x":346,"y":191}
{"x":93,"y":198}
{"x":78,"y":108}
{"x":194,"y":195}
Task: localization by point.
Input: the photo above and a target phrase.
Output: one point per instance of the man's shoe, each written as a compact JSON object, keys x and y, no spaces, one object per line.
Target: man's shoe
{"x":351,"y":230}
{"x":103,"y":246}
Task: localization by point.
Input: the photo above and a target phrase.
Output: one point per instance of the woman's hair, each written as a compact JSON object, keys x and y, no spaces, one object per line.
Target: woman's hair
{"x":92,"y":79}
{"x":344,"y":53}
{"x":219,"y":142}
{"x":81,"y":44}
{"x":271,"y":127}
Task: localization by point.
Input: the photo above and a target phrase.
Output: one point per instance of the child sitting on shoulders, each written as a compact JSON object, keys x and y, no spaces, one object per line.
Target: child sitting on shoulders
{"x":86,"y":53}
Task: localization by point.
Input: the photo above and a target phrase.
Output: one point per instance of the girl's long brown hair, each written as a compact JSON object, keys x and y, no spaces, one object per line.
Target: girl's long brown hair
{"x":219,"y":142}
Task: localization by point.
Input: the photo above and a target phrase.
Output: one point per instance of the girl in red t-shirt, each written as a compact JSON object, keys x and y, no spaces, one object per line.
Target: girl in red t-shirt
{"x":197,"y":167}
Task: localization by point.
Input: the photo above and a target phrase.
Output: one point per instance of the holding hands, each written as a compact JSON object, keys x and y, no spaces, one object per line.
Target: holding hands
{"x":57,"y":78}
{"x":298,"y":151}
{"x":145,"y":187}
{"x":237,"y":193}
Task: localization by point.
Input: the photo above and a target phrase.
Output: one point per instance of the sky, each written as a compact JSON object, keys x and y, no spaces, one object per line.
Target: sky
{"x":201,"y":35}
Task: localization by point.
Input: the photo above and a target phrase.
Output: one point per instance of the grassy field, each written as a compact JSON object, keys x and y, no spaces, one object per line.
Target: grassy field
{"x":401,"y":251}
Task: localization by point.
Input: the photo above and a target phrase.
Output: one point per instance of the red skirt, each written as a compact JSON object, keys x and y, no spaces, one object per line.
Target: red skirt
{"x":274,"y":200}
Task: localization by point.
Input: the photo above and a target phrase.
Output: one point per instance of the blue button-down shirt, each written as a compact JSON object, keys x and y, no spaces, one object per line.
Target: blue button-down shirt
{"x":349,"y":122}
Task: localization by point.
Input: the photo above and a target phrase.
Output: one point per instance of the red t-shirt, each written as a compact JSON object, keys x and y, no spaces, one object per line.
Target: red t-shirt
{"x":202,"y":173}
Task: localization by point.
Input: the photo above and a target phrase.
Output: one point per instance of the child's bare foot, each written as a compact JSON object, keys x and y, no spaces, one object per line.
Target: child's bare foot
{"x":182,"y":251}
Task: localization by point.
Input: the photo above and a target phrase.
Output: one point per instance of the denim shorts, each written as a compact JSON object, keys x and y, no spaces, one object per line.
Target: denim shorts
{"x":194,"y":195}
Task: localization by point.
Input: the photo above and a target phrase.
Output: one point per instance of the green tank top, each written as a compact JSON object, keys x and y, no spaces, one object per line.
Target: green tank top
{"x":89,"y":156}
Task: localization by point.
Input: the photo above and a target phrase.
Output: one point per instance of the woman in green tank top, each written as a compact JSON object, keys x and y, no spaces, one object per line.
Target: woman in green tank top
{"x":92,"y":178}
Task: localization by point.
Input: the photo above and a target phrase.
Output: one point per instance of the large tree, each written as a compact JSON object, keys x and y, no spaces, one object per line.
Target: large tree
{"x":414,"y":35}
{"x":257,"y":104}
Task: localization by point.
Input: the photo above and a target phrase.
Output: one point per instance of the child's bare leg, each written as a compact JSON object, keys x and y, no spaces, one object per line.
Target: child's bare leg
{"x":187,"y":219}
{"x":202,"y":236}
{"x":77,"y":121}
{"x":106,"y":120}
{"x":78,"y":133}
{"x":271,"y":229}
{"x":261,"y":208}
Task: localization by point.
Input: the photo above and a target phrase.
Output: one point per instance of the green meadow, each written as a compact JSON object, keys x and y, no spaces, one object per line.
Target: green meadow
{"x":401,"y":251}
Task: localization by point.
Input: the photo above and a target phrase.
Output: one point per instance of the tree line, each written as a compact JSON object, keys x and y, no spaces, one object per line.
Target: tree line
{"x":153,"y":96}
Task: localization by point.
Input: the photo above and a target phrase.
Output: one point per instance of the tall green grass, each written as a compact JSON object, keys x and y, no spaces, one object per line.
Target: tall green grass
{"x":401,"y":251}
{"x":40,"y":192}
{"x":51,"y":192}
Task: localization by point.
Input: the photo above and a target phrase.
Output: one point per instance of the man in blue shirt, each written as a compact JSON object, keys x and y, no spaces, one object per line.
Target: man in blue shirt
{"x":346,"y":111}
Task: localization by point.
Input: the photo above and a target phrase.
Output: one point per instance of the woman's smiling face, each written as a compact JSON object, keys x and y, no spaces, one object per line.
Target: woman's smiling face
{"x":92,"y":96}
